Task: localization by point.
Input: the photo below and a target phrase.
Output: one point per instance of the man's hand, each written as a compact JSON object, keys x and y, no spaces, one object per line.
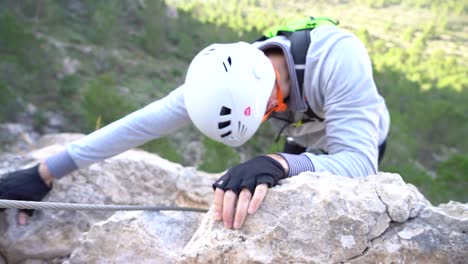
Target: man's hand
{"x":31,"y":184}
{"x":242,"y":189}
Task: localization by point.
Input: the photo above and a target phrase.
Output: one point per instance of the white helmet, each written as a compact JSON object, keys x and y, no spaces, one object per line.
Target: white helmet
{"x":227,"y":90}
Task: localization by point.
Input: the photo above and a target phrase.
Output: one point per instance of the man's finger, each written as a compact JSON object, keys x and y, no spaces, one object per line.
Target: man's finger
{"x":22,"y":218}
{"x":218,"y":203}
{"x":242,"y":206}
{"x":257,"y":199}
{"x":229,"y":204}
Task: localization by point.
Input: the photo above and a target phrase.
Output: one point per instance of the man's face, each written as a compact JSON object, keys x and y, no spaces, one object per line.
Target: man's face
{"x":273,"y":99}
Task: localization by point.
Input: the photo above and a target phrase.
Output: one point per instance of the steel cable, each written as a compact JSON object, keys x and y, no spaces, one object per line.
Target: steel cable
{"x":92,"y":207}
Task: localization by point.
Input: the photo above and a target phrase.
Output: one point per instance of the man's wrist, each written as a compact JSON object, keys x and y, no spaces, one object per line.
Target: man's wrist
{"x":281,"y":161}
{"x":45,"y":174}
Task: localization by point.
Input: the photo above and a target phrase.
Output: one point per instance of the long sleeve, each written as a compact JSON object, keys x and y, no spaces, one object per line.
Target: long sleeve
{"x":356,"y":119}
{"x":153,"y":121}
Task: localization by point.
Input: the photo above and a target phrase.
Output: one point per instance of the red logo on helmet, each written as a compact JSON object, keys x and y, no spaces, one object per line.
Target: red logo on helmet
{"x":247,"y":111}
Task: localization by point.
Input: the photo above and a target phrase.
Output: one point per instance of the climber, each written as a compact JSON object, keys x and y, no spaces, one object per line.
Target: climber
{"x":326,"y":106}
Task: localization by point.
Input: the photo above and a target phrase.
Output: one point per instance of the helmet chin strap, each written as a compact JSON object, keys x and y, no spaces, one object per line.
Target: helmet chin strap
{"x":281,"y":106}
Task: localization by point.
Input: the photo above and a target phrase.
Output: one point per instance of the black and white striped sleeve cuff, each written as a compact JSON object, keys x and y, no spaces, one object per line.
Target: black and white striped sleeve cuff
{"x":297,"y":163}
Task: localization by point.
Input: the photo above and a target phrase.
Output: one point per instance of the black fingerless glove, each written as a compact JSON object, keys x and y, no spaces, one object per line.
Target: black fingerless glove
{"x":262,"y":169}
{"x":26,"y":185}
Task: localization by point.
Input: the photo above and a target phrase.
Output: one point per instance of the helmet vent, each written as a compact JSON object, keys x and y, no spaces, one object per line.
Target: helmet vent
{"x":226,"y":134}
{"x":241,"y":128}
{"x":207,"y":52}
{"x":224,"y":124}
{"x":225,"y":111}
{"x":229,"y":60}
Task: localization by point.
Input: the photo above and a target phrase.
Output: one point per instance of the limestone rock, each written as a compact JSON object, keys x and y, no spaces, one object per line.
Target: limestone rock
{"x":436,"y":235}
{"x":70,"y":66}
{"x":321,"y":218}
{"x":402,"y":200}
{"x":51,"y":140}
{"x":133,"y":177}
{"x":137,"y":237}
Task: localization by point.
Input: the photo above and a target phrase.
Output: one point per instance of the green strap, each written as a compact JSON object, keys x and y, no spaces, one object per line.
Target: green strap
{"x":300,"y":24}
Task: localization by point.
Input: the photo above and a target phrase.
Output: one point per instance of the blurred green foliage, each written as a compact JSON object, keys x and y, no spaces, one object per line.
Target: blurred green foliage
{"x":8,"y":103}
{"x":153,"y":39}
{"x":104,"y":18}
{"x":218,"y":157}
{"x":133,"y":52}
{"x":103,"y":104}
{"x":451,"y":181}
{"x":165,"y":147}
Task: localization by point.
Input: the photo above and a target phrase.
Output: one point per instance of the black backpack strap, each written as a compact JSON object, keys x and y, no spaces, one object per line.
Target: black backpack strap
{"x":300,"y":41}
{"x":313,"y":115}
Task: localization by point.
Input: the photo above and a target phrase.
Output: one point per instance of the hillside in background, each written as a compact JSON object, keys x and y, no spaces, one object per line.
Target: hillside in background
{"x":91,"y":62}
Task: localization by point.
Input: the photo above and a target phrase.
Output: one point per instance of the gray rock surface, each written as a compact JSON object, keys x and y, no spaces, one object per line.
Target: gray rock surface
{"x":137,"y":237}
{"x":320,"y":218}
{"x":133,"y":177}
{"x":436,"y":235}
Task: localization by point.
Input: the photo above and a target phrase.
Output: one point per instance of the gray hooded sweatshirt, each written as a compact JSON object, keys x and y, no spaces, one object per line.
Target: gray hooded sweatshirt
{"x":338,"y":86}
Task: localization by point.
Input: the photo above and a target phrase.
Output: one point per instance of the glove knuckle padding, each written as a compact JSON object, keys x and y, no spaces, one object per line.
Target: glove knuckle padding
{"x":268,"y":179}
{"x":24,"y":185}
{"x":221,"y":182}
{"x":249,"y":183}
{"x":262,"y":169}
